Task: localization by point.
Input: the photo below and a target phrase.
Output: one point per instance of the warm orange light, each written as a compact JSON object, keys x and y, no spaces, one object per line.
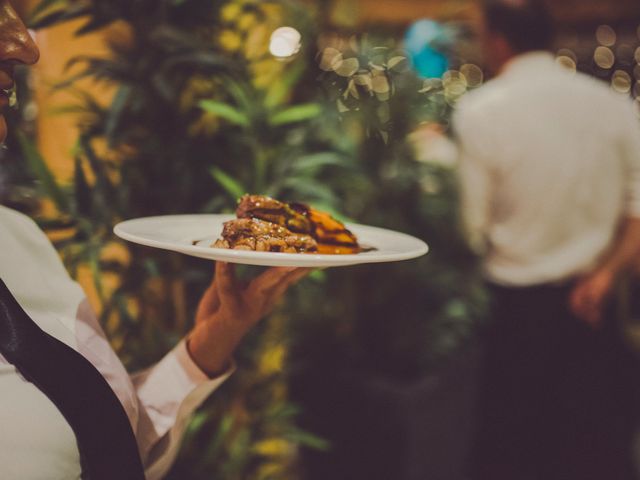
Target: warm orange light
{"x":472,"y":74}
{"x":606,"y":35}
{"x":621,"y":81}
{"x":285,"y":42}
{"x":604,"y":57}
{"x":567,"y":52}
{"x":566,"y":62}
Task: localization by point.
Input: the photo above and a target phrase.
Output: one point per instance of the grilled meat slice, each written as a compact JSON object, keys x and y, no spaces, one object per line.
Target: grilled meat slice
{"x":266,"y":208}
{"x":263,"y":236}
{"x":331,"y":235}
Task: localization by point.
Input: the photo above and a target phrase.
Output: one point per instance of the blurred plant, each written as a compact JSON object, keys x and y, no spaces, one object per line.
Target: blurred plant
{"x":398,"y":322}
{"x":197,"y":119}
{"x":368,"y":77}
{"x":280,"y":149}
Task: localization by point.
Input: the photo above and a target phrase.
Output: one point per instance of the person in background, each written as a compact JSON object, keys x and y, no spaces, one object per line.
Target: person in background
{"x":550,"y":186}
{"x":37,"y":436}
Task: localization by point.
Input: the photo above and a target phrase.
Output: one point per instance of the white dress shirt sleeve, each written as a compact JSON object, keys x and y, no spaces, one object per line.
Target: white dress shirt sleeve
{"x":631,"y":156}
{"x":168,"y":394}
{"x":159,"y":400}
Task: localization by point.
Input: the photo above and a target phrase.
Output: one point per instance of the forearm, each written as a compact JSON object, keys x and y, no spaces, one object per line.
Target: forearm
{"x":227,"y":312}
{"x":625,"y":251}
{"x":211,"y":346}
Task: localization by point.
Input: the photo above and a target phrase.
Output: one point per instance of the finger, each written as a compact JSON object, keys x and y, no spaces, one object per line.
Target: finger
{"x":209,"y":302}
{"x":297,"y":275}
{"x":226,"y":285}
{"x":587,"y":306}
{"x":586,"y":310}
{"x":594,"y":318}
{"x":273,"y":278}
{"x":597,"y":311}
{"x":270,"y":278}
{"x":576,"y":300}
{"x":276,"y":294}
{"x":291,"y":279}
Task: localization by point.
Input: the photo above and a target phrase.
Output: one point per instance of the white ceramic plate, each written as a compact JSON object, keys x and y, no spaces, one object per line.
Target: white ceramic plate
{"x":193,"y":235}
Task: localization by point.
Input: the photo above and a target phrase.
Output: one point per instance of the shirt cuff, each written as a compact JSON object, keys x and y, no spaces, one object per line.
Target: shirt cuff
{"x":170,"y":392}
{"x":192,"y":371}
{"x":175,"y":382}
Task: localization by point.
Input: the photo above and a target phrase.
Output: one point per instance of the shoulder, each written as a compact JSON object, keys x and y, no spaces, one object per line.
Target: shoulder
{"x":476,"y":115}
{"x":598,"y":93}
{"x":617,"y":112}
{"x":13,"y":217}
{"x":20,"y":230}
{"x":485,"y":97}
{"x":478,"y":106}
{"x":19,"y":223}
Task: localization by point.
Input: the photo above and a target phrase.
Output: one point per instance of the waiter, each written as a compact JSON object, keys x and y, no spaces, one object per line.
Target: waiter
{"x":550,"y":181}
{"x":68,"y":408}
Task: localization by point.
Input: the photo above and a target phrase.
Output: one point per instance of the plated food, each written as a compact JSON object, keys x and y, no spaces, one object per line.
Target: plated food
{"x":264,"y":224}
{"x":194,"y":235}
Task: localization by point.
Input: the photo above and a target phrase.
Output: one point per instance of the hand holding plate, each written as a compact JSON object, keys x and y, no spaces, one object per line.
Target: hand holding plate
{"x":228,"y":310}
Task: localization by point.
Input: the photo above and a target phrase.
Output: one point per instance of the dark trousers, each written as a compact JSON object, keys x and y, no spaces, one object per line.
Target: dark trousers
{"x":558,"y":398}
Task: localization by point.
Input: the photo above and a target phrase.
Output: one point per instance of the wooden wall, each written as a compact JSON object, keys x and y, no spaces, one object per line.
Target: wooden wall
{"x":57,"y":134}
{"x":569,"y":13}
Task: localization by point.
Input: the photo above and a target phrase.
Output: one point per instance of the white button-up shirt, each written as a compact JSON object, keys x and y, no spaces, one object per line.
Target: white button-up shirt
{"x":36,"y":443}
{"x":550,"y":163}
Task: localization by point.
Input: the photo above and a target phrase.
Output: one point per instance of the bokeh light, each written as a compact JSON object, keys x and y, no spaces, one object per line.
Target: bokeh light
{"x":330,"y":59}
{"x":606,"y":35}
{"x":472,"y":74}
{"x":430,"y":84}
{"x":566,"y":62}
{"x":455,"y":81}
{"x":285,"y":42}
{"x":566,"y":52}
{"x":365,"y":80}
{"x":380,"y":85}
{"x":455,"y":85}
{"x":637,"y":55}
{"x":604,"y":57}
{"x":347,"y":67}
{"x":621,"y":81}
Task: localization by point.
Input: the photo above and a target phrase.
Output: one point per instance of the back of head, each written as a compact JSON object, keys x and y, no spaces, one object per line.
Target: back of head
{"x":526,"y":25}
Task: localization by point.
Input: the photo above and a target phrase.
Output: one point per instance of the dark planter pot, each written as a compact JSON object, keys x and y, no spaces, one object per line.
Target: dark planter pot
{"x":388,"y":430}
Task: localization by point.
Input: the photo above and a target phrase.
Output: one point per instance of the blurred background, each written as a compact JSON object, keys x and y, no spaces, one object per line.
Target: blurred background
{"x":151,"y":107}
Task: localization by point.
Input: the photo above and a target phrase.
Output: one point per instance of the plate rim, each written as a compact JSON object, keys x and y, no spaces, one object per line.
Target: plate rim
{"x":309,"y":258}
